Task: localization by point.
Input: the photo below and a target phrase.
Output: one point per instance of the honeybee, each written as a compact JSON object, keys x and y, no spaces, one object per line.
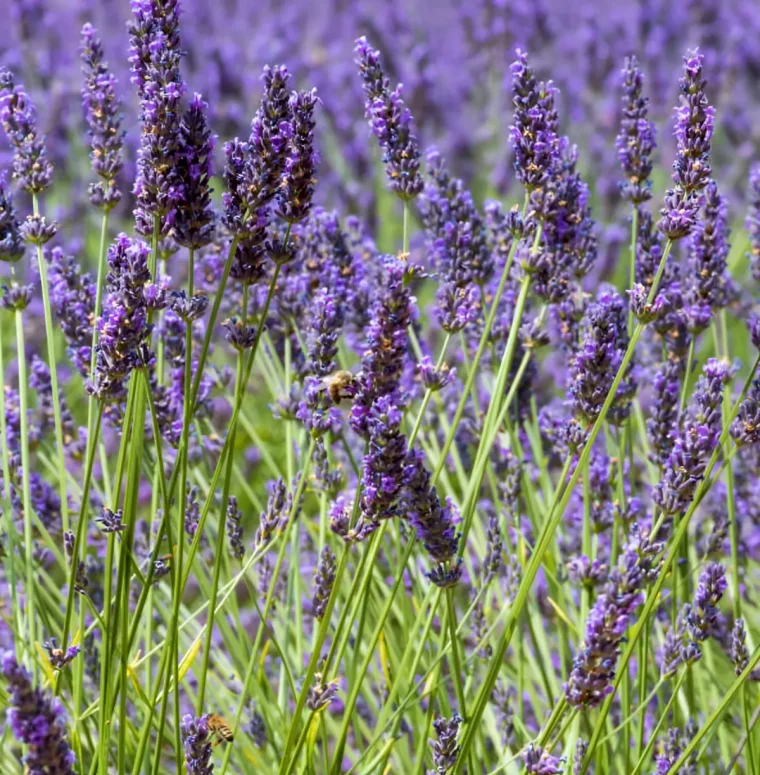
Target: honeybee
{"x":341,"y":386}
{"x":219,"y":727}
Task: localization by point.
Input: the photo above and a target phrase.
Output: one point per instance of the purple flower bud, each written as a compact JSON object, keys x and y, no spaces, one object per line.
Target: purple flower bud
{"x":745,"y":429}
{"x":739,"y":651}
{"x":594,"y":665}
{"x":102,"y":114}
{"x":193,"y":223}
{"x":31,"y":167}
{"x":323,"y":582}
{"x":445,"y":748}
{"x":702,"y":618}
{"x":37,"y":230}
{"x":11,"y":244}
{"x":15,"y":297}
{"x":636,"y":140}
{"x":235,"y":528}
{"x":197,"y":741}
{"x":37,"y":721}
{"x":541,"y":762}
{"x":752,"y":223}
{"x":391,"y":122}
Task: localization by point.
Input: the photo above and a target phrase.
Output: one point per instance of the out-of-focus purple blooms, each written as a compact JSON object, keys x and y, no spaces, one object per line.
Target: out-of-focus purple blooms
{"x":15,"y":297}
{"x":197,"y":741}
{"x":123,"y":327}
{"x":745,"y":429}
{"x":31,"y":167}
{"x":194,"y":219}
{"x":739,"y":651}
{"x":540,"y":762}
{"x":458,"y":241}
{"x":753,"y":221}
{"x":276,"y":516}
{"x":687,"y":461}
{"x":37,"y":721}
{"x":11,"y":244}
{"x":703,"y":615}
{"x":57,"y":657}
{"x":37,"y":230}
{"x":391,"y":122}
{"x":102,"y":114}
{"x":504,"y":699}
{"x":434,"y":522}
{"x":709,"y":285}
{"x":81,"y":582}
{"x":257,"y":728}
{"x":294,"y":197}
{"x":444,"y":746}
{"x":581,"y":747}
{"x":594,"y":665}
{"x":636,"y":139}
{"x":595,"y":363}
{"x":661,"y":425}
{"x":72,"y":296}
{"x":534,"y":131}
{"x":155,"y":58}
{"x":111,"y":521}
{"x":325,"y":325}
{"x":387,"y":338}
{"x":40,"y":381}
{"x":323,"y":582}
{"x":432,"y":378}
{"x":691,"y":169}
{"x":235,"y":529}
{"x":583,"y":571}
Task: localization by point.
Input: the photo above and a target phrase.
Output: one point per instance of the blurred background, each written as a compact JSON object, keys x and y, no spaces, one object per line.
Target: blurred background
{"x":453,"y":58}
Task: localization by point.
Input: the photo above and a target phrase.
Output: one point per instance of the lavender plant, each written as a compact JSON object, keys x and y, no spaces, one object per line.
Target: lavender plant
{"x":319,"y":457}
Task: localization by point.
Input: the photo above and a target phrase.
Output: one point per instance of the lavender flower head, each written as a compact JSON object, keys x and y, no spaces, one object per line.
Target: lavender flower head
{"x":595,"y":363}
{"x":694,"y":124}
{"x":197,"y":742}
{"x":534,"y":131}
{"x":541,"y":762}
{"x":745,"y":429}
{"x":11,"y":243}
{"x":36,"y":721}
{"x":739,"y":651}
{"x":323,"y":582}
{"x":124,"y":327}
{"x":687,"y":461}
{"x":102,"y":114}
{"x":434,"y":522}
{"x":155,"y":58}
{"x":594,"y":665}
{"x":709,"y":284}
{"x":194,"y":220}
{"x":294,"y":197}
{"x":31,"y":167}
{"x":445,"y":748}
{"x":752,"y":223}
{"x":702,"y":617}
{"x":636,"y":139}
{"x":391,"y":122}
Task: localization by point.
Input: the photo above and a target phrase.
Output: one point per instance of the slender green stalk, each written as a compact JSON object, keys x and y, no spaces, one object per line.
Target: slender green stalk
{"x":25,"y":474}
{"x":53,"y":367}
{"x":632,"y":266}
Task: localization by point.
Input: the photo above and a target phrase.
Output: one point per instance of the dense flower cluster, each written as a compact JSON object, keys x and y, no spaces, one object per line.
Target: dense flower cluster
{"x":391,"y":122}
{"x":11,"y":244}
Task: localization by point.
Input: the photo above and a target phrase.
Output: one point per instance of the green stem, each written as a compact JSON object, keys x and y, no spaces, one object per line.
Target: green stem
{"x":25,"y":474}
{"x":632,"y":272}
{"x":53,"y":367}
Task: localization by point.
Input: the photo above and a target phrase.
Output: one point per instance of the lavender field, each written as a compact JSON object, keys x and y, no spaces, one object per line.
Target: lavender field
{"x":381,"y":387}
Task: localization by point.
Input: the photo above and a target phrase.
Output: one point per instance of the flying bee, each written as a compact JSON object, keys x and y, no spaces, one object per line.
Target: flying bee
{"x":340,"y":386}
{"x":219,"y":727}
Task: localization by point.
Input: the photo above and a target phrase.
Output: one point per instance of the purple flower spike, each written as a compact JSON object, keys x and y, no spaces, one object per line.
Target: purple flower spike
{"x":31,"y":167}
{"x":595,"y":663}
{"x":541,"y":762}
{"x":294,"y":197}
{"x":11,"y":244}
{"x":391,"y":122}
{"x":702,"y":618}
{"x":636,"y":140}
{"x":194,"y":220}
{"x":197,"y":741}
{"x":695,"y":119}
{"x":445,"y":748}
{"x":686,"y":464}
{"x":753,"y":221}
{"x":102,"y":114}
{"x":37,"y":721}
{"x":534,"y":132}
